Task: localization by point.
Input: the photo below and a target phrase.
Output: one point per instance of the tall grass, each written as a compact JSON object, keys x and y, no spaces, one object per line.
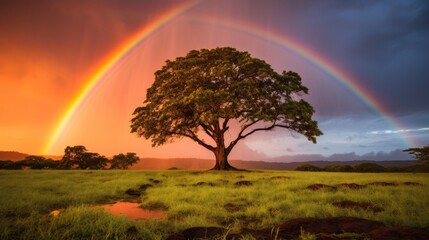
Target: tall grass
{"x":27,"y":197}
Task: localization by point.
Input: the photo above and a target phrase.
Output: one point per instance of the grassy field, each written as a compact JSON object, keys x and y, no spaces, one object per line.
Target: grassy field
{"x":191,"y":198}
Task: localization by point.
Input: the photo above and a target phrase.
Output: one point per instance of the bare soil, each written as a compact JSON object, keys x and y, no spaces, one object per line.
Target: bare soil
{"x":133,"y":192}
{"x":358,"y":206}
{"x":318,"y":186}
{"x":327,"y":228}
{"x":356,"y":186}
{"x":243,"y":183}
{"x":203,"y":184}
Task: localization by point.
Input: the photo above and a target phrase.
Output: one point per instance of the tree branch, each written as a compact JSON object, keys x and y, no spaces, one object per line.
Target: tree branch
{"x":233,"y":143}
{"x":194,"y":137}
{"x":207,"y":129}
{"x":225,"y":125}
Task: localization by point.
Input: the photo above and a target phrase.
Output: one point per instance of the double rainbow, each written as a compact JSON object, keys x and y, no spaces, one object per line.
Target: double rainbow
{"x":346,"y":81}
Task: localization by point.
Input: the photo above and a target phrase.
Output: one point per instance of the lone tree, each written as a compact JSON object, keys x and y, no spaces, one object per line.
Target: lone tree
{"x":209,"y":90}
{"x":421,"y":154}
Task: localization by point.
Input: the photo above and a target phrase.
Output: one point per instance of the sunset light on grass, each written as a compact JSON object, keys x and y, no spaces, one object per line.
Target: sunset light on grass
{"x":214,"y":119}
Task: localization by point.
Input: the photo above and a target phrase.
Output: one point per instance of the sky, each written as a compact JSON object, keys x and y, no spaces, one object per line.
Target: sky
{"x":365,"y":63}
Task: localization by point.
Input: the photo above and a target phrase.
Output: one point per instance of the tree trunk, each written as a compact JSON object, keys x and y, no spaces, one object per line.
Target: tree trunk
{"x":222,"y":159}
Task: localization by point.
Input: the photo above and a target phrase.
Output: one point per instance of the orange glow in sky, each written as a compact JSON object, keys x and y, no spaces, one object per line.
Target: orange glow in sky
{"x":72,"y":73}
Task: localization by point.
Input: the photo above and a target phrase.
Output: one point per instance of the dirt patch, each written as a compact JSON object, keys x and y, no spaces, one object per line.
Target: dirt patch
{"x":231,"y":207}
{"x":413,"y":184}
{"x":198,"y":233}
{"x":399,"y":233}
{"x":356,"y":186}
{"x":358,"y":206}
{"x":243,"y":183}
{"x":382,"y":184}
{"x":132,"y":211}
{"x":279,"y":177}
{"x":203,"y":184}
{"x":143,"y":187}
{"x":133,"y":233}
{"x":327,"y":228}
{"x":318,"y":186}
{"x":155,"y":181}
{"x":133,"y":192}
{"x":337,"y":225}
{"x":10,"y":214}
{"x":351,"y":185}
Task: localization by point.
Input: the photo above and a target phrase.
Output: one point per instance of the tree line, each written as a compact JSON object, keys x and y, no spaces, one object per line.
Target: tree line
{"x":363,"y":167}
{"x":76,"y":157}
{"x":421,"y":154}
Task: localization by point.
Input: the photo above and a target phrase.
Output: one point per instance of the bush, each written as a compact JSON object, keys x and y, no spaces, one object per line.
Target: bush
{"x":308,"y":168}
{"x":9,"y":165}
{"x":368,"y":167}
{"x":338,"y":168}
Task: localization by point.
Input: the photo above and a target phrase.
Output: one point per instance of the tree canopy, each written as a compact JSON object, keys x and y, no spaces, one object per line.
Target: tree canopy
{"x":421,"y":154}
{"x":207,"y":90}
{"x":123,"y":161}
{"x":79,"y":157}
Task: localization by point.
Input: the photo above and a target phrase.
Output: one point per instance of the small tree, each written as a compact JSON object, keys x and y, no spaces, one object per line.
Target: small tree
{"x":8,"y":164}
{"x":72,"y":155}
{"x":79,"y":157}
{"x":33,"y":162}
{"x":209,"y":90}
{"x":123,"y":161}
{"x":91,"y":160}
{"x":38,"y":162}
{"x":421,"y":154}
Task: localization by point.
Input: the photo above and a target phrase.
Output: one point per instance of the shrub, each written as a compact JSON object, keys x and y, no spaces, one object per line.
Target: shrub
{"x":308,"y":168}
{"x":368,"y":167}
{"x":338,"y":168}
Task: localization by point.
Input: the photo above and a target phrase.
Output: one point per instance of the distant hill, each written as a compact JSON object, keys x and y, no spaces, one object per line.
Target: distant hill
{"x":17,"y":156}
{"x":204,"y":164}
{"x":180,"y":163}
{"x":12,"y":155}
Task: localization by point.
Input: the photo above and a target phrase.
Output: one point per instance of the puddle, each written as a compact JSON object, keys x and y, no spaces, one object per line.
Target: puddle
{"x":132,"y":211}
{"x":55,"y":213}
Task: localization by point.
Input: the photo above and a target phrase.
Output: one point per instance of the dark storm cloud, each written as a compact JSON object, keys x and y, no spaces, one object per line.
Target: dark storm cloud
{"x":382,"y":44}
{"x":385,"y":44}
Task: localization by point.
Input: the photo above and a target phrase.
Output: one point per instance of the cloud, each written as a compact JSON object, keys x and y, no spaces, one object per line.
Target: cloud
{"x":399,"y":131}
{"x":397,"y":154}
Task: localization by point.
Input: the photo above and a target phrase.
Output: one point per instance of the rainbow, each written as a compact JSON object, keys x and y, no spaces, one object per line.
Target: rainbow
{"x":344,"y":80}
{"x":108,"y":62}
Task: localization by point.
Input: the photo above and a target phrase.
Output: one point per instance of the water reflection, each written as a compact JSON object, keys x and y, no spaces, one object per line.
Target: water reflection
{"x":132,"y":211}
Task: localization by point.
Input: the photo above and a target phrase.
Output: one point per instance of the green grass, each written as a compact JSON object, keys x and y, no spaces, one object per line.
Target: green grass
{"x":27,"y":197}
